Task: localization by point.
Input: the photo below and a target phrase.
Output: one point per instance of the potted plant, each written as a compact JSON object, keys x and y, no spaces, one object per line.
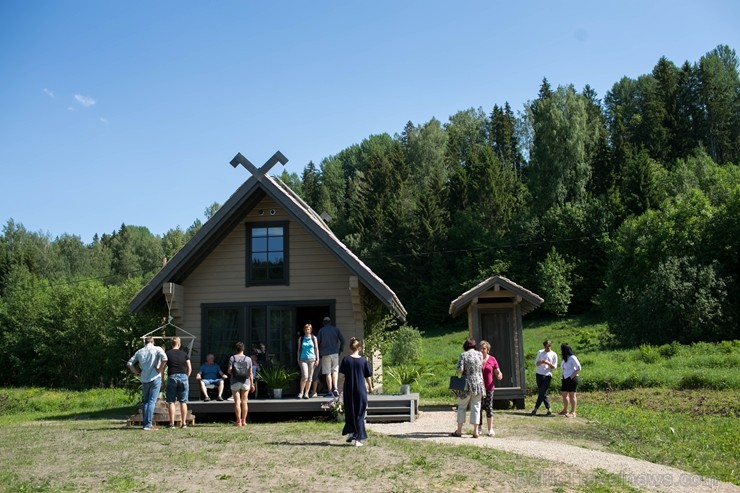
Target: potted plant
{"x":276,"y":377}
{"x":406,"y":375}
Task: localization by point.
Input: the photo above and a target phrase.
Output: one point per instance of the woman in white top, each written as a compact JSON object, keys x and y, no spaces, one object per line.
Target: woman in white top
{"x":571,"y":367}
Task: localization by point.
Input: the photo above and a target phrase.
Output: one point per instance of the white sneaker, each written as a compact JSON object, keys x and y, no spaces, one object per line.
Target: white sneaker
{"x":358,"y":443}
{"x":491,"y":433}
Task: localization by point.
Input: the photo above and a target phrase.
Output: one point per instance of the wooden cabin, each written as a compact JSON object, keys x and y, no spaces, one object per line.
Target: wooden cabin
{"x":258,"y":270}
{"x":495,"y":308}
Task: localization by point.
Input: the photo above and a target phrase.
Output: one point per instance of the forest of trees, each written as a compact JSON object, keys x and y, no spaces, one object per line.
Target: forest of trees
{"x":627,"y":205}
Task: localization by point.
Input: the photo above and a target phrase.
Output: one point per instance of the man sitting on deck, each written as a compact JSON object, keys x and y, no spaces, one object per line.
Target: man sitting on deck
{"x":210,"y":374}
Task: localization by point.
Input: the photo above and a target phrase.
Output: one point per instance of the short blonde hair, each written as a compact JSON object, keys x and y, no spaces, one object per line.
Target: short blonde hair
{"x":485,"y":344}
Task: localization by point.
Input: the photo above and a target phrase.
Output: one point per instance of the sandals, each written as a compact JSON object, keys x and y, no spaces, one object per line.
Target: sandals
{"x":456,"y":434}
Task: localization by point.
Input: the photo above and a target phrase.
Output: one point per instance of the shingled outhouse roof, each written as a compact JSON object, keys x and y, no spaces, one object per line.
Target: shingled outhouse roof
{"x":246,"y":197}
{"x":529,"y":300}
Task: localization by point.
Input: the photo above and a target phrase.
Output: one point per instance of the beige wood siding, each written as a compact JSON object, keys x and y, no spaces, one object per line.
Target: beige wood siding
{"x":315,"y":274}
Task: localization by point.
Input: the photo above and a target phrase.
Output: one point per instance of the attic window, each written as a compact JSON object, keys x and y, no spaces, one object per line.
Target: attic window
{"x":267,"y":253}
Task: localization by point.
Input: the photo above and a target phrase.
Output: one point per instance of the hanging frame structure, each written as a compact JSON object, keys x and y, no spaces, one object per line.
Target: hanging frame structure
{"x":186,"y":336}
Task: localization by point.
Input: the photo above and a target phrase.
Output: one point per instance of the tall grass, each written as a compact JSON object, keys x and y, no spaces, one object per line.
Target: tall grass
{"x":605,"y":367}
{"x":18,"y":404}
{"x":697,"y":366}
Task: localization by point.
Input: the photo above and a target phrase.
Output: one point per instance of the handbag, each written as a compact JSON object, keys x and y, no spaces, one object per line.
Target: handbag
{"x":457,"y":384}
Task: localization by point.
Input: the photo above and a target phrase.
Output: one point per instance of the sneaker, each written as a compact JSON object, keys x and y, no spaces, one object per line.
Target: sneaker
{"x":350,"y":437}
{"x":305,"y":396}
{"x":533,"y":413}
{"x":183,"y":426}
{"x":491,"y":433}
{"x":299,"y":396}
{"x":549,"y":413}
{"x":335,"y":392}
{"x":151,"y":428}
{"x":329,"y":395}
{"x":219,"y":398}
{"x":207,"y":399}
{"x":171,"y":426}
{"x":314,"y":395}
{"x":358,"y":443}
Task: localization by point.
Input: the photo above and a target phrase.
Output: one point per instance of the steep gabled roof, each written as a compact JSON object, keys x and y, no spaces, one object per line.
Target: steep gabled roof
{"x":530,"y":300}
{"x":246,"y":197}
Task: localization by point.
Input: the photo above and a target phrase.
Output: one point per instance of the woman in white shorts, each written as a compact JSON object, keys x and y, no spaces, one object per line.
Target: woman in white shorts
{"x":308,"y":359}
{"x":242,"y":382}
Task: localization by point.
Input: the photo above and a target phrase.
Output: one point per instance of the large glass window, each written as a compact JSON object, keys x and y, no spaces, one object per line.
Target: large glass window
{"x":267,"y":253}
{"x":223,"y":327}
{"x":268,"y":331}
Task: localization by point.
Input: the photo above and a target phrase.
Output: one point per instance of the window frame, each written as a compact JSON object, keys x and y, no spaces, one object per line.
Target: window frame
{"x":285,"y":279}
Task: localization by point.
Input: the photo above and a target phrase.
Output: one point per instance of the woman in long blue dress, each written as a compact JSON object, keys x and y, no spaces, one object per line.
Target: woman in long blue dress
{"x":357,"y":379}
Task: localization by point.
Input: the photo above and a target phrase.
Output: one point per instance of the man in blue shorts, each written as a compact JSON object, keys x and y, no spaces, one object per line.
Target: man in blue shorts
{"x":178,"y":372}
{"x":210,"y":374}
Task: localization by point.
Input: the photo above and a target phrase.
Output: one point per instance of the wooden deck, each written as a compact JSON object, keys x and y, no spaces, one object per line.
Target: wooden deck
{"x":381,"y":408}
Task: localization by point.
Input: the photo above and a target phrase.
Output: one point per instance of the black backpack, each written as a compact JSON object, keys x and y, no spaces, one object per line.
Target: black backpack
{"x":241,"y":369}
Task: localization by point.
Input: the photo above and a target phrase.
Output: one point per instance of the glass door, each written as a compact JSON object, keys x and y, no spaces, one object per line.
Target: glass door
{"x":272,"y":334}
{"x":223,"y":327}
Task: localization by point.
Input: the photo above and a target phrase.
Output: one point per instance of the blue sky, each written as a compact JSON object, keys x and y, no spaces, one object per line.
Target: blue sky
{"x":129,"y":112}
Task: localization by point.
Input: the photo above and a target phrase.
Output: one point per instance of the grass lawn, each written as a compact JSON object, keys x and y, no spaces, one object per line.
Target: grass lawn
{"x":674,"y":404}
{"x":61,"y":453}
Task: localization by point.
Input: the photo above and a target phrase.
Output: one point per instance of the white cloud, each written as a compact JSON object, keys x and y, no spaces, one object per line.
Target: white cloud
{"x":85,"y":101}
{"x":71,"y":108}
{"x":104,"y":121}
{"x":49,"y":93}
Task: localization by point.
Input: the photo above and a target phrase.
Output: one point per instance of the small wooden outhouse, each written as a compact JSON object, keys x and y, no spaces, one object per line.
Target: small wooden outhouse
{"x":495,"y":308}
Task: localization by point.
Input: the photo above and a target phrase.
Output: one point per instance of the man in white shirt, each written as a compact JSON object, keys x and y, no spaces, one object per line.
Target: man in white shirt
{"x":546,"y":361}
{"x":151,"y":360}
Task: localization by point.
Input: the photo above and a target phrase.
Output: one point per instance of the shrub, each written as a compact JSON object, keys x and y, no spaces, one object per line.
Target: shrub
{"x":587,"y":339}
{"x":555,"y":275}
{"x":701,"y":381}
{"x":407,"y":374}
{"x":648,"y":354}
{"x":405,"y":346}
{"x":669,"y":350}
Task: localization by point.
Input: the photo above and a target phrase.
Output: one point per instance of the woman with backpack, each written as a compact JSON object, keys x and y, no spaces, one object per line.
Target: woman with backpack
{"x":242,"y":382}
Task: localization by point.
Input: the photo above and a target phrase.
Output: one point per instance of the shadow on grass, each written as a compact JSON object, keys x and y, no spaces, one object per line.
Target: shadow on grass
{"x":309,"y":444}
{"x":111,"y":413}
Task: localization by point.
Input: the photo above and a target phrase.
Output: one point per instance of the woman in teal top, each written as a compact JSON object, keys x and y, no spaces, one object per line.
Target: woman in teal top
{"x":308,"y":359}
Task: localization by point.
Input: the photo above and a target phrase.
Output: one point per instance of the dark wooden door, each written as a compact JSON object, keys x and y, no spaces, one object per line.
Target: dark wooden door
{"x":497,"y":328}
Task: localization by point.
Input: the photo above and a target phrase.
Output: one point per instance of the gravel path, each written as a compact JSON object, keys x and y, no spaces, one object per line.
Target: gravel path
{"x":436,"y":426}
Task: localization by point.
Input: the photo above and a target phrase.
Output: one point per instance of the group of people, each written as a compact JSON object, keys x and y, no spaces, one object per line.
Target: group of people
{"x":151,"y":361}
{"x":479,"y":368}
{"x":547,"y":361}
{"x":317,"y":355}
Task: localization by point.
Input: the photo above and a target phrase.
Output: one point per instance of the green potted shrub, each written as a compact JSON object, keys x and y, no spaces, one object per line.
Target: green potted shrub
{"x":407,"y":375}
{"x":276,"y":377}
